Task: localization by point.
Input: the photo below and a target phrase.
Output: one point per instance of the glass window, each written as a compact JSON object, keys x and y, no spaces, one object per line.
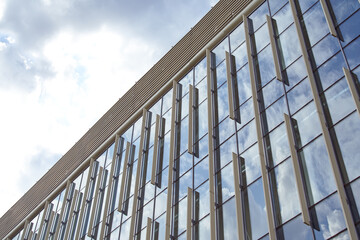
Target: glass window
{"x":299,"y":96}
{"x":266,"y":65}
{"x":262,"y":38}
{"x":256,"y":210}
{"x":329,"y":216}
{"x":306,"y":4}
{"x":318,"y":174}
{"x":201,"y":171}
{"x":277,"y":145}
{"x":307,"y":124}
{"x":237,"y":37}
{"x":295,"y":230}
{"x":240,"y":56}
{"x":204,"y":207}
{"x":355,"y":189}
{"x":204,"y":229}
{"x":351,"y":52}
{"x":331,"y":71}
{"x":273,"y":115}
{"x":343,"y":8}
{"x":227,"y":182}
{"x":220,"y":49}
{"x":226,"y":129}
{"x":339,"y":100}
{"x":247,"y":136}
{"x":230,"y":222}
{"x":250,"y":165}
{"x":289,"y":46}
{"x":295,"y":72}
{"x":348,"y":134}
{"x":244,"y":85}
{"x":283,"y":17}
{"x":285,"y":193}
{"x":350,"y":28}
{"x":272,"y":91}
{"x":315,"y":23}
{"x":223,"y":102}
{"x":200,"y":71}
{"x":226,"y":150}
{"x":325,"y":49}
{"x":258,"y":17}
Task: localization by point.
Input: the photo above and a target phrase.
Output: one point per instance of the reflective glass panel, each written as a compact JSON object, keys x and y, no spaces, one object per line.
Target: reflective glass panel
{"x":318,"y":174}
{"x":348,"y":135}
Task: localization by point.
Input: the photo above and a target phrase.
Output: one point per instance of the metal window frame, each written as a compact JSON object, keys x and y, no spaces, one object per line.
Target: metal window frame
{"x":95,"y":200}
{"x":300,"y":184}
{"x":238,"y":196}
{"x":189,"y":213}
{"x":325,"y":131}
{"x":156,"y":150}
{"x":119,"y":142}
{"x":264,"y":171}
{"x":91,"y":166}
{"x":210,"y":70}
{"x":59,"y":223}
{"x":138,"y":172}
{"x":171,"y":163}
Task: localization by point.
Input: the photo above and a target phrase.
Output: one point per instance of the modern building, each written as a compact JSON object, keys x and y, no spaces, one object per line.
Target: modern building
{"x":248,"y":128}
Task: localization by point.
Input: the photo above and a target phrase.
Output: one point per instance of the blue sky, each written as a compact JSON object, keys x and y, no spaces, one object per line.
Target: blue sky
{"x":64,"y":63}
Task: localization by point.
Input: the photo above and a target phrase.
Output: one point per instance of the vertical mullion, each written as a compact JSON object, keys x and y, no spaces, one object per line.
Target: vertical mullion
{"x":138,"y":171}
{"x":91,"y":166}
{"x":148,"y":229}
{"x":58,"y":225}
{"x":46,"y":236}
{"x":156,"y":150}
{"x":160,"y":153}
{"x":123,"y":179}
{"x":73,"y":203}
{"x":270,"y":22}
{"x":297,"y":170}
{"x":24,"y":229}
{"x":95,"y":200}
{"x":326,"y":134}
{"x":190,"y":130}
{"x":108,"y":194}
{"x":210,"y":72}
{"x":189,"y":213}
{"x":353,"y":88}
{"x":42,"y":219}
{"x":238,"y":196}
{"x":171,"y":163}
{"x":264,"y":171}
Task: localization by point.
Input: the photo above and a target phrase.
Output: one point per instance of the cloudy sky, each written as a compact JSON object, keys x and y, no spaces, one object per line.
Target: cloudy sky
{"x":64,"y":63}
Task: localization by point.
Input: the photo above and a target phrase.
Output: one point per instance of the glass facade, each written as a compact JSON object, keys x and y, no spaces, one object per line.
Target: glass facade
{"x":170,"y":175}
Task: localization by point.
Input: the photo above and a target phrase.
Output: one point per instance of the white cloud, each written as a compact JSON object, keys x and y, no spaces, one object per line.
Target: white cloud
{"x":64,"y":64}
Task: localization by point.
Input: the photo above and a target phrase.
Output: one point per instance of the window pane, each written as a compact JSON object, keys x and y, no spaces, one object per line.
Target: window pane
{"x":299,"y":96}
{"x":348,"y":134}
{"x":315,"y":23}
{"x":230,"y":222}
{"x":318,"y":174}
{"x":295,"y":230}
{"x":256,"y":213}
{"x":330,"y":217}
{"x":339,"y":100}
{"x":251,"y":165}
{"x":285,"y":192}
{"x":277,"y":145}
